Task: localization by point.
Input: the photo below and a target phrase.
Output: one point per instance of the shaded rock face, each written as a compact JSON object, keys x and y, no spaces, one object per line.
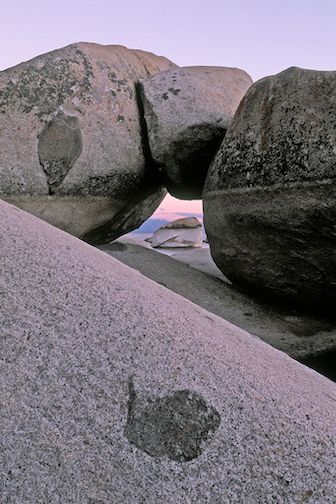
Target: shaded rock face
{"x":269,"y":198}
{"x":130,"y":217}
{"x":71,"y":136}
{"x":185,"y":232}
{"x":187,"y":112}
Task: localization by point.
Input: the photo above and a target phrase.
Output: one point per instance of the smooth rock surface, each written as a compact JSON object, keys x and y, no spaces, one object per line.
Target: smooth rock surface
{"x":88,"y":366}
{"x":72,"y":149}
{"x":269,"y":198}
{"x":300,"y":334}
{"x":184,"y":232}
{"x":187,"y":112}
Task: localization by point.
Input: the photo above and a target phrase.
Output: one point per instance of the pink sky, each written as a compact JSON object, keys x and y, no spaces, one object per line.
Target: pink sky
{"x":171,"y":207}
{"x":262,"y":37}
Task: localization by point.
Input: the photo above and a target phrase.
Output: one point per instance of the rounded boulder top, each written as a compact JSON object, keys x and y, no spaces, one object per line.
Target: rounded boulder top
{"x":187,"y":112}
{"x":184,"y":222}
{"x":283,"y":132}
{"x":269,"y":196}
{"x":71,"y":146}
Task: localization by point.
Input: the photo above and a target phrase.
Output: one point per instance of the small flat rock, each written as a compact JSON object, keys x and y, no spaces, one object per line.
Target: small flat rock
{"x":184,"y":232}
{"x":184,"y":222}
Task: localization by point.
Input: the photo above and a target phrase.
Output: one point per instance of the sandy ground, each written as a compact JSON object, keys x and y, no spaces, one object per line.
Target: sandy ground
{"x":193,"y":274}
{"x":198,"y":258}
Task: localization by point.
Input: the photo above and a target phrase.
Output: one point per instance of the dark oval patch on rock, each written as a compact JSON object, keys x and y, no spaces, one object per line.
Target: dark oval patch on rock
{"x":59,"y":147}
{"x":177,"y":426}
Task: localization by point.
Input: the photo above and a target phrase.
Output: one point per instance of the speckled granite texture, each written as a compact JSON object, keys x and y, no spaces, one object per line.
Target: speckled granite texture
{"x":115,"y":390}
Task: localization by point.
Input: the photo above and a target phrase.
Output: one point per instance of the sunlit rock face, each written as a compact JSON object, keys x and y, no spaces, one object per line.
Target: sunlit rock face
{"x":187,"y":112}
{"x":185,"y":232}
{"x":269,"y":197}
{"x":114,"y":389}
{"x":72,"y":147}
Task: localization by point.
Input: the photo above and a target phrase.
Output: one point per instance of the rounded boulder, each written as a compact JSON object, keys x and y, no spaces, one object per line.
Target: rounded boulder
{"x":187,"y":112}
{"x":72,"y":147}
{"x":269,"y":198}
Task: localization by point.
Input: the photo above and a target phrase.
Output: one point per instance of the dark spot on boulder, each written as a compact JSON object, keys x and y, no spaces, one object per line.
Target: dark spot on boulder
{"x":175,"y":92}
{"x":59,"y":147}
{"x":113,"y":78}
{"x":44,"y":89}
{"x":177,"y":426}
{"x":121,"y":119}
{"x":165,"y":96}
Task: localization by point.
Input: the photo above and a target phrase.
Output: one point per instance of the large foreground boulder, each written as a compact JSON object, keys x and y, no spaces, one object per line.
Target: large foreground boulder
{"x":72,"y":149}
{"x":114,"y":389}
{"x":270,"y":197}
{"x":187,"y":112}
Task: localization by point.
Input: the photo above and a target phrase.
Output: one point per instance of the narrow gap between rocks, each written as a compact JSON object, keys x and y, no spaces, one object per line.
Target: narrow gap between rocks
{"x":144,"y":130}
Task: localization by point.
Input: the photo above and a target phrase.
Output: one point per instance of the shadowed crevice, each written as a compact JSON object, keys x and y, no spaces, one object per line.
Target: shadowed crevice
{"x":131,"y":215}
{"x":150,"y":164}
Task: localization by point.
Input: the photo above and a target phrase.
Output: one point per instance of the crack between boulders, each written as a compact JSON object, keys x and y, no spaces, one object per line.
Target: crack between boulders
{"x":150,"y":184}
{"x":144,"y":129}
{"x":141,"y":62}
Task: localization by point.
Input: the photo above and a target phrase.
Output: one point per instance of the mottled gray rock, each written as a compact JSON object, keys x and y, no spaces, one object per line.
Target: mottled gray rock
{"x":176,"y":426}
{"x":59,"y":147}
{"x":187,"y":112}
{"x":114,"y":389}
{"x":72,"y":149}
{"x":269,"y":198}
{"x":183,"y":223}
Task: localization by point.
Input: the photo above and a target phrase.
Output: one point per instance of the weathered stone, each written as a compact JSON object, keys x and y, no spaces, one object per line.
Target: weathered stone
{"x":184,"y":232}
{"x":59,"y":147}
{"x":269,"y":198}
{"x":72,"y":149}
{"x":187,"y":111}
{"x":177,"y":426}
{"x":233,"y":420}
